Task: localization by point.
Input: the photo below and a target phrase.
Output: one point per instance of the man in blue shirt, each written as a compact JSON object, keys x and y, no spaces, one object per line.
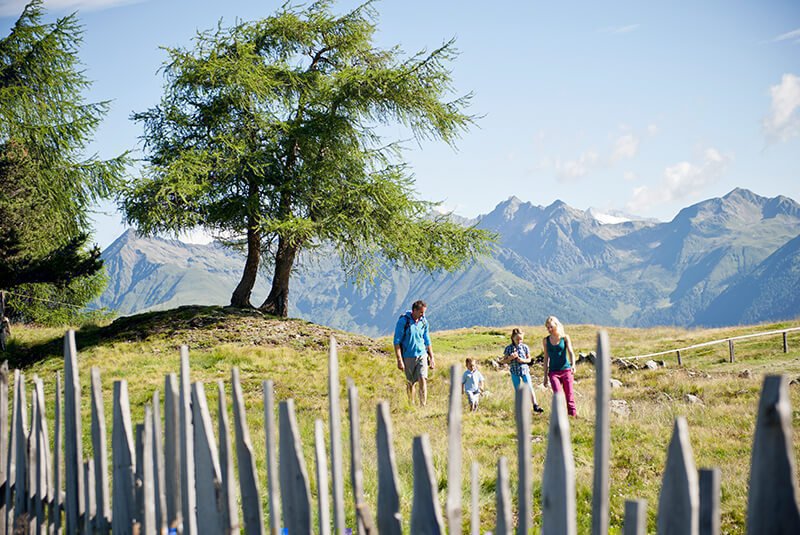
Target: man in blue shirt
{"x":412,"y":346}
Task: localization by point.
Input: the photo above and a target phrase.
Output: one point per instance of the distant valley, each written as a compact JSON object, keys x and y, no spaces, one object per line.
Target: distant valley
{"x":723,"y":261}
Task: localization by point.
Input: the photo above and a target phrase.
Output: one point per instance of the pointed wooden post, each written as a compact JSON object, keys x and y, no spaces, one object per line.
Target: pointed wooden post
{"x":324,"y":509}
{"x":558,"y":479}
{"x":635,"y":522}
{"x":390,"y":522}
{"x":772,"y":501}
{"x":503,"y":525}
{"x":172,"y":451}
{"x":21,"y":453}
{"x":230,"y":514}
{"x":337,"y":471}
{"x":295,"y":491}
{"x":522,"y":406}
{"x":90,"y":518}
{"x":785,"y":343}
{"x":35,"y":506}
{"x":273,"y":496}
{"x":475,"y":519}
{"x":123,"y":459}
{"x":58,"y":461}
{"x":248,"y":481}
{"x":101,"y":498}
{"x":148,"y":519}
{"x":454,"y":453}
{"x":188,"y":488}
{"x":208,"y":476}
{"x":679,"y":501}
{"x":426,"y":514}
{"x":158,"y":467}
{"x":709,"y":501}
{"x":363,"y":517}
{"x":731,"y":350}
{"x":73,"y":461}
{"x":602,"y":435}
{"x":11,"y":473}
{"x":44,"y":476}
{"x":4,"y":434}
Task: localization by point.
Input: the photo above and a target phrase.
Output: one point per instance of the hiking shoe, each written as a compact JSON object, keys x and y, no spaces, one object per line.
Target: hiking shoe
{"x":537,"y":408}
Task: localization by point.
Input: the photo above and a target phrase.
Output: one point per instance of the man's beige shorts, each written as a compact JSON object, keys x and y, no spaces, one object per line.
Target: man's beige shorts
{"x":416,"y":368}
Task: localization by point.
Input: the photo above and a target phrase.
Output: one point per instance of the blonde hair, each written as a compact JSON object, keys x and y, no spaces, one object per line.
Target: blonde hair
{"x":516,"y":332}
{"x":552,"y":320}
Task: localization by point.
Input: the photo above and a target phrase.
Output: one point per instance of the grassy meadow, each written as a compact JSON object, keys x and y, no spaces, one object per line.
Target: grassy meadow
{"x":293,"y":353}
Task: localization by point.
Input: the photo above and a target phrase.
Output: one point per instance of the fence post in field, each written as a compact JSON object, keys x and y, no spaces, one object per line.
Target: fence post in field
{"x":158,"y":466}
{"x":709,"y":501}
{"x":230,"y":513}
{"x":295,"y":490}
{"x":123,"y":460}
{"x":680,"y":362}
{"x":208,"y":476}
{"x":679,"y":501}
{"x":785,"y":343}
{"x":474,"y":520}
{"x":188,"y":487}
{"x":172,"y":451}
{"x":4,"y":433}
{"x":248,"y":481}
{"x":90,"y":518}
{"x":273,"y":494}
{"x":558,"y":478}
{"x":454,"y":453}
{"x":324,"y":509}
{"x":503,"y":525}
{"x":148,"y":519}
{"x":34,"y":483}
{"x":335,"y":416}
{"x":100,"y":455}
{"x":73,"y":462}
{"x":44,"y":474}
{"x":390,"y":522}
{"x":363,"y":517}
{"x":635,"y":522}
{"x":730,"y":350}
{"x":139,"y":474}
{"x":58,"y":456}
{"x":21,"y":453}
{"x":772,"y":500}
{"x":602,"y":435}
{"x":522,"y":405}
{"x":11,"y":474}
{"x":426,"y":515}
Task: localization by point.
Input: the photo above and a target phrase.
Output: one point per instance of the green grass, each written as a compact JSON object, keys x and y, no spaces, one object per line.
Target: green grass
{"x":293,"y":354}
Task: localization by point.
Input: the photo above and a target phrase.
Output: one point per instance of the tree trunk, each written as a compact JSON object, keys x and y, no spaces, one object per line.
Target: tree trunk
{"x":241,"y":295}
{"x":277,"y":302}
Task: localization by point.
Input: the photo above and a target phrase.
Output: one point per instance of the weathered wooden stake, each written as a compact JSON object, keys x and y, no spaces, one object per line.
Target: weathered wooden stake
{"x":772,"y":501}
{"x":709,"y":501}
{"x":363,"y":517}
{"x":730,"y":350}
{"x":123,"y":460}
{"x":785,"y":343}
{"x":273,"y":495}
{"x":426,"y":515}
{"x":101,"y":498}
{"x":208,"y":475}
{"x":21,"y":453}
{"x":73,"y":462}
{"x":11,"y":477}
{"x":148,"y":519}
{"x":558,"y":479}
{"x":454,"y":453}
{"x":324,"y":509}
{"x":172,"y":451}
{"x":335,"y":422}
{"x":158,"y":467}
{"x":679,"y":501}
{"x":188,"y":487}
{"x":503,"y":525}
{"x":390,"y":521}
{"x":248,"y":481}
{"x":44,"y":475}
{"x":90,"y":518}
{"x":295,"y":490}
{"x":475,"y":520}
{"x":58,"y":461}
{"x":635,"y":522}
{"x":230,"y":514}
{"x":602,"y":435}
{"x":4,"y":433}
{"x":680,"y":362}
{"x":522,"y":405}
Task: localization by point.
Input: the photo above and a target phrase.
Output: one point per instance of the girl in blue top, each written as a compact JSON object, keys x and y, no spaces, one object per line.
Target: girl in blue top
{"x":518,"y":357}
{"x":559,"y":362}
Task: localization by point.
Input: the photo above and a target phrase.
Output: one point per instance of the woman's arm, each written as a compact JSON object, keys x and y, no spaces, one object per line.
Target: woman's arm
{"x":570,"y":352}
{"x":546,"y":360}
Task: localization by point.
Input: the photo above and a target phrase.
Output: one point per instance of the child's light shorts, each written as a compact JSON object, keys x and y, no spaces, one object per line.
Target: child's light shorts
{"x":473,"y":397}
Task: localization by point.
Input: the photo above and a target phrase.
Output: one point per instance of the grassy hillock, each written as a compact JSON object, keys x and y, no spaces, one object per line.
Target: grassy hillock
{"x":293,"y":353}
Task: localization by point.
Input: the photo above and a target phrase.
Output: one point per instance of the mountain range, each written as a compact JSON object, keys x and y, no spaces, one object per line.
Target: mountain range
{"x":722,"y":261}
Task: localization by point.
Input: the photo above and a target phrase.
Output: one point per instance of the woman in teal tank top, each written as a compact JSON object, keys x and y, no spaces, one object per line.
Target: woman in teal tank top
{"x":559,"y":362}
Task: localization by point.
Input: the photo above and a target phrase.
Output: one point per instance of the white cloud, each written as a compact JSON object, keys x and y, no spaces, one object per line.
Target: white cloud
{"x":625,"y":147}
{"x":652,"y":129}
{"x":794,"y":34}
{"x":783,"y":120}
{"x":681,"y":181}
{"x":15,"y":7}
{"x":630,"y":176}
{"x":572,"y":169}
{"x":615,"y":30}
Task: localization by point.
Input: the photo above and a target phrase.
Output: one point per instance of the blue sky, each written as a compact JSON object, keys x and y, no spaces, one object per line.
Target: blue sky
{"x":638,"y":106}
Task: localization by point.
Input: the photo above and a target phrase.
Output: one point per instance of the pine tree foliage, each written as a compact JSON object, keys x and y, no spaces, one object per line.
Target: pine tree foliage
{"x":269,"y":134}
{"x":47,"y":183}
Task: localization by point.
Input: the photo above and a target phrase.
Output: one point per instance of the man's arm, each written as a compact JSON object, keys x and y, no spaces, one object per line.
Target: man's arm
{"x":399,"y":354}
{"x":431,"y":362}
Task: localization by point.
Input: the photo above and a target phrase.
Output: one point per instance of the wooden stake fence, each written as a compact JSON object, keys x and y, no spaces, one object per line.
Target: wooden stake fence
{"x":155,"y":481}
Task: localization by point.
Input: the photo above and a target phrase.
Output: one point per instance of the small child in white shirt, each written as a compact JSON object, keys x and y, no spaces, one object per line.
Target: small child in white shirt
{"x":472,"y":384}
